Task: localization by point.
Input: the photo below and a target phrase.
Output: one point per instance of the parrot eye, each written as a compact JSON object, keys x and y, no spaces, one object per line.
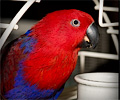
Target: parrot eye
{"x":75,"y":23}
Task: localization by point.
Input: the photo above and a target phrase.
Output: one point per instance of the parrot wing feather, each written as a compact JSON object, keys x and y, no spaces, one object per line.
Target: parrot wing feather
{"x":11,"y":55}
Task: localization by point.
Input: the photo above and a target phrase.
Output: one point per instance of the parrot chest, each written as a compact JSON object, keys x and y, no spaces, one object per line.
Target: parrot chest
{"x":55,"y":72}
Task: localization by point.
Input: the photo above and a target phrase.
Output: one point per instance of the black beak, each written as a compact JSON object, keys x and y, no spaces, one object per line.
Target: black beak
{"x":91,"y":38}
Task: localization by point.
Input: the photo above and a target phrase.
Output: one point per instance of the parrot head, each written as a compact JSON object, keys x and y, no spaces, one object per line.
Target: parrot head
{"x":68,"y":29}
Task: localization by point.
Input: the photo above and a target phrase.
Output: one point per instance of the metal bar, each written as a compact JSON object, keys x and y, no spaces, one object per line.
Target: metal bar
{"x":113,"y":9}
{"x":6,"y":26}
{"x":114,"y":37}
{"x":101,"y":15}
{"x":113,"y":31}
{"x":27,"y":0}
{"x":14,"y":21}
{"x":82,"y":63}
{"x":99,"y":55}
{"x":84,"y":54}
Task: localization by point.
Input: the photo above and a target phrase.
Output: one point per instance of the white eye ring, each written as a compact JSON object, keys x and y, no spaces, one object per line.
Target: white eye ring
{"x":75,"y":23}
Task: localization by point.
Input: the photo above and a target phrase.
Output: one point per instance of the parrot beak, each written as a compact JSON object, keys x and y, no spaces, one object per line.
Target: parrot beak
{"x":91,"y":38}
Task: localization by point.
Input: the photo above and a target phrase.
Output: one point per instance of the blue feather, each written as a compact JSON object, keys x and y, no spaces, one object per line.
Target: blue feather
{"x":28,"y":32}
{"x":28,"y":44}
{"x":23,"y":90}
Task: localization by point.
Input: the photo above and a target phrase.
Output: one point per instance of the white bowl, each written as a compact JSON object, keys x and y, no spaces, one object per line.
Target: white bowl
{"x":97,"y":86}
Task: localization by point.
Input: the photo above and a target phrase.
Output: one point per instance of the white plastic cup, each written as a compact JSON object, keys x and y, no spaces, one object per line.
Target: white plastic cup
{"x":97,"y":86}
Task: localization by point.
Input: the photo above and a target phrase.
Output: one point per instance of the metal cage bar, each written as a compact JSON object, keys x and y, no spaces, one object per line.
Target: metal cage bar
{"x":110,"y":31}
{"x":15,"y":20}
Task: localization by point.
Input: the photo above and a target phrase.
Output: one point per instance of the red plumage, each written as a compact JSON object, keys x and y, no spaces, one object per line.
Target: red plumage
{"x":53,"y":57}
{"x":55,"y":54}
{"x":11,"y":57}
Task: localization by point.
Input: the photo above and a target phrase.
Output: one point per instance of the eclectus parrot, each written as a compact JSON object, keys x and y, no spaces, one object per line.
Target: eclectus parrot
{"x":37,"y":64}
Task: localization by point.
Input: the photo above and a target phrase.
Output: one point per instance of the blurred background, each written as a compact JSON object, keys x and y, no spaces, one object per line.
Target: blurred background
{"x":38,"y":10}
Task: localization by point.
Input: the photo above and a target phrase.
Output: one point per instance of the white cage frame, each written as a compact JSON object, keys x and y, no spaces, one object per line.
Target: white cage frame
{"x":12,"y":25}
{"x":111,"y":31}
{"x":83,"y":54}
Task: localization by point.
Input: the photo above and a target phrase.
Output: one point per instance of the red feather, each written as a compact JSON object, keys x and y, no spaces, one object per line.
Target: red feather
{"x":54,"y":56}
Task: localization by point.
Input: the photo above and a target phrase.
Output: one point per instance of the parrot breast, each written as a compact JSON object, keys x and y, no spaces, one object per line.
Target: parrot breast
{"x":49,"y":69}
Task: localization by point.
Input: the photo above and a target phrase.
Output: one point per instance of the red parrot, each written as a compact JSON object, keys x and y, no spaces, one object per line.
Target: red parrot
{"x":37,"y":64}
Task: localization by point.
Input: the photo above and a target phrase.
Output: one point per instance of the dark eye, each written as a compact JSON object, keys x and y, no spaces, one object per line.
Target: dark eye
{"x":75,"y":23}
